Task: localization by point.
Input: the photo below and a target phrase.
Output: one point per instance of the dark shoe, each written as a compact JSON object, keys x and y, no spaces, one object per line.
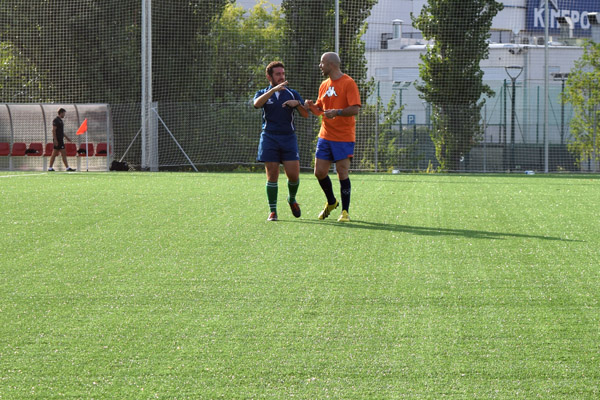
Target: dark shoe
{"x":295,"y":209}
{"x":71,"y":169}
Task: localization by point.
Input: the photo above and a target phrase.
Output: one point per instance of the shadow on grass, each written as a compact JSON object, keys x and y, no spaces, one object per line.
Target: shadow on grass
{"x":429,"y":231}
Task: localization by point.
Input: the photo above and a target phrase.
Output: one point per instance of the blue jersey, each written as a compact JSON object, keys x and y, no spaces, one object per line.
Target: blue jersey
{"x":276,"y":118}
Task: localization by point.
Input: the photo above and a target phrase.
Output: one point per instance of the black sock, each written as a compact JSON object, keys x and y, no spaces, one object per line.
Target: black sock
{"x":327,"y":189}
{"x":345,"y":189}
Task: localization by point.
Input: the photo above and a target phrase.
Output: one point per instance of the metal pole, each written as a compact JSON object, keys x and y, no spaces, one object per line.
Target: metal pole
{"x":512,"y":125}
{"x":484,"y":138}
{"x":108,"y":138}
{"x":537,"y":117}
{"x":400,"y":106}
{"x":377,"y":127}
{"x":143,"y":101}
{"x":12,"y":137}
{"x":146,"y":81}
{"x":546,"y":83}
{"x":87,"y":153}
{"x":562,"y":112}
{"x":45,"y":135}
{"x":594,"y":147}
{"x":78,"y":138}
{"x":176,"y":142}
{"x":337,"y":26}
{"x":504,"y":162}
{"x":337,"y":44}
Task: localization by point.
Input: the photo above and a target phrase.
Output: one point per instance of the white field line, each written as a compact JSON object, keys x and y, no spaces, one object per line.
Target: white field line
{"x":17,"y":176}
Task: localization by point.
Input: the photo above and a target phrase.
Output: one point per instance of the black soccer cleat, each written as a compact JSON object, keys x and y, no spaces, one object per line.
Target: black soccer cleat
{"x":295,"y":209}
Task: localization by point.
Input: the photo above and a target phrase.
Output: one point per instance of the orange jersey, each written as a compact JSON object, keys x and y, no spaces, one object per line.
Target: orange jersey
{"x":338,"y":94}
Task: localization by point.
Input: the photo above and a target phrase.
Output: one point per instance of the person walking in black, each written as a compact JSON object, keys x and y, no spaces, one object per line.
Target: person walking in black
{"x":58,"y":137}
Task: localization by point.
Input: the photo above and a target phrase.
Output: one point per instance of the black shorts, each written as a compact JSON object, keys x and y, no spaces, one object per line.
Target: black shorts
{"x":59,"y":146}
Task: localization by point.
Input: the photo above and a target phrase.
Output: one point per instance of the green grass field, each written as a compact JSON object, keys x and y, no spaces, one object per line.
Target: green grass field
{"x":174,"y":286}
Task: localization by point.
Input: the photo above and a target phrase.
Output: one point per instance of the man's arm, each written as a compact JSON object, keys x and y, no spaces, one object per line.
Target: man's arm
{"x":309,"y":105}
{"x":343,"y":112}
{"x":65,"y":135}
{"x":302,"y":110}
{"x":298,"y":106}
{"x":261,"y":100}
{"x":54,"y":139}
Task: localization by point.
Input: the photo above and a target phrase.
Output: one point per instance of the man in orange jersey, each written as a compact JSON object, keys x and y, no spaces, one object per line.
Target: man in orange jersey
{"x":338,"y":103}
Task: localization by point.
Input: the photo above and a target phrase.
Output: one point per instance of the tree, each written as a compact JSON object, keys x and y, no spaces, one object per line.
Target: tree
{"x":582,"y":90}
{"x":243,"y":43}
{"x":75,"y":50}
{"x":90,"y":51}
{"x":20,"y":81}
{"x":182,"y":45}
{"x":451,"y":75}
{"x":310,"y":32}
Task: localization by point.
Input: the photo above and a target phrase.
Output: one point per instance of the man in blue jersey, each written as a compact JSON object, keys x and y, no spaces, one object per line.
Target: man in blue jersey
{"x":278,"y":141}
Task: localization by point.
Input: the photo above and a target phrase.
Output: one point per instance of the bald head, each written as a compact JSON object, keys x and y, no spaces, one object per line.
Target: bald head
{"x":332,"y":58}
{"x":330,"y":65}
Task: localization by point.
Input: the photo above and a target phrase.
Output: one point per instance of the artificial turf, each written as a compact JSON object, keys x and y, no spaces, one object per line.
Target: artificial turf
{"x":174,"y":286}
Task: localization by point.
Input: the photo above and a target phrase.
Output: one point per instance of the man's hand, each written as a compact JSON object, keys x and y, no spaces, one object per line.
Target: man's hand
{"x":309,"y":105}
{"x":259,"y":102}
{"x":291,"y":103}
{"x":281,"y":86}
{"x":331,"y":113}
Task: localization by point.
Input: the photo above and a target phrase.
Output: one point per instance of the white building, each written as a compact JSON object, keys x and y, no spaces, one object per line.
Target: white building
{"x":394,"y":48}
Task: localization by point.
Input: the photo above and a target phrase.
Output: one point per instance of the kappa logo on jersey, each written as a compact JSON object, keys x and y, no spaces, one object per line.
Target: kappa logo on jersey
{"x":331,"y":92}
{"x":270,"y":101}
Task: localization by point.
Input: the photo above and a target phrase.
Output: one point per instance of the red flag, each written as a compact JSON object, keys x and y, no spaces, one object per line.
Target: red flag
{"x":83,"y":128}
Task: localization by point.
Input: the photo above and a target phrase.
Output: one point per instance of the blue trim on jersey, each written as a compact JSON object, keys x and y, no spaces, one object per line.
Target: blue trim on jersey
{"x":275,"y":117}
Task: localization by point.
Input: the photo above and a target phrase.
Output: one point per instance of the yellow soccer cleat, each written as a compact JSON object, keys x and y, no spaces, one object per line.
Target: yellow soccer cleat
{"x":344,"y":217}
{"x":328,"y":209}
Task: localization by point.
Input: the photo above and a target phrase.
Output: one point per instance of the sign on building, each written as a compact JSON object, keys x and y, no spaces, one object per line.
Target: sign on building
{"x":577,"y":10}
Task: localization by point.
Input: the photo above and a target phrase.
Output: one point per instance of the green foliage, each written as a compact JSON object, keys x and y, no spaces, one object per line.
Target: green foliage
{"x":73,"y":54}
{"x":385,"y":148}
{"x":181,"y":46}
{"x":450,"y":71}
{"x":17,"y":72}
{"x":310,"y":32}
{"x":78,"y":54}
{"x":243,"y":43}
{"x":202,"y":50}
{"x":582,"y":90}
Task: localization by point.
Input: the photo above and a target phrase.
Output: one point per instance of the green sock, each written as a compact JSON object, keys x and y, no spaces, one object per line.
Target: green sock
{"x":272,"y":195}
{"x":293,"y":189}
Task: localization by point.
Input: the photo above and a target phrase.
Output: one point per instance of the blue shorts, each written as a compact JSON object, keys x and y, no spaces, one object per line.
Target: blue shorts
{"x":277,"y":148}
{"x":334,"y":151}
